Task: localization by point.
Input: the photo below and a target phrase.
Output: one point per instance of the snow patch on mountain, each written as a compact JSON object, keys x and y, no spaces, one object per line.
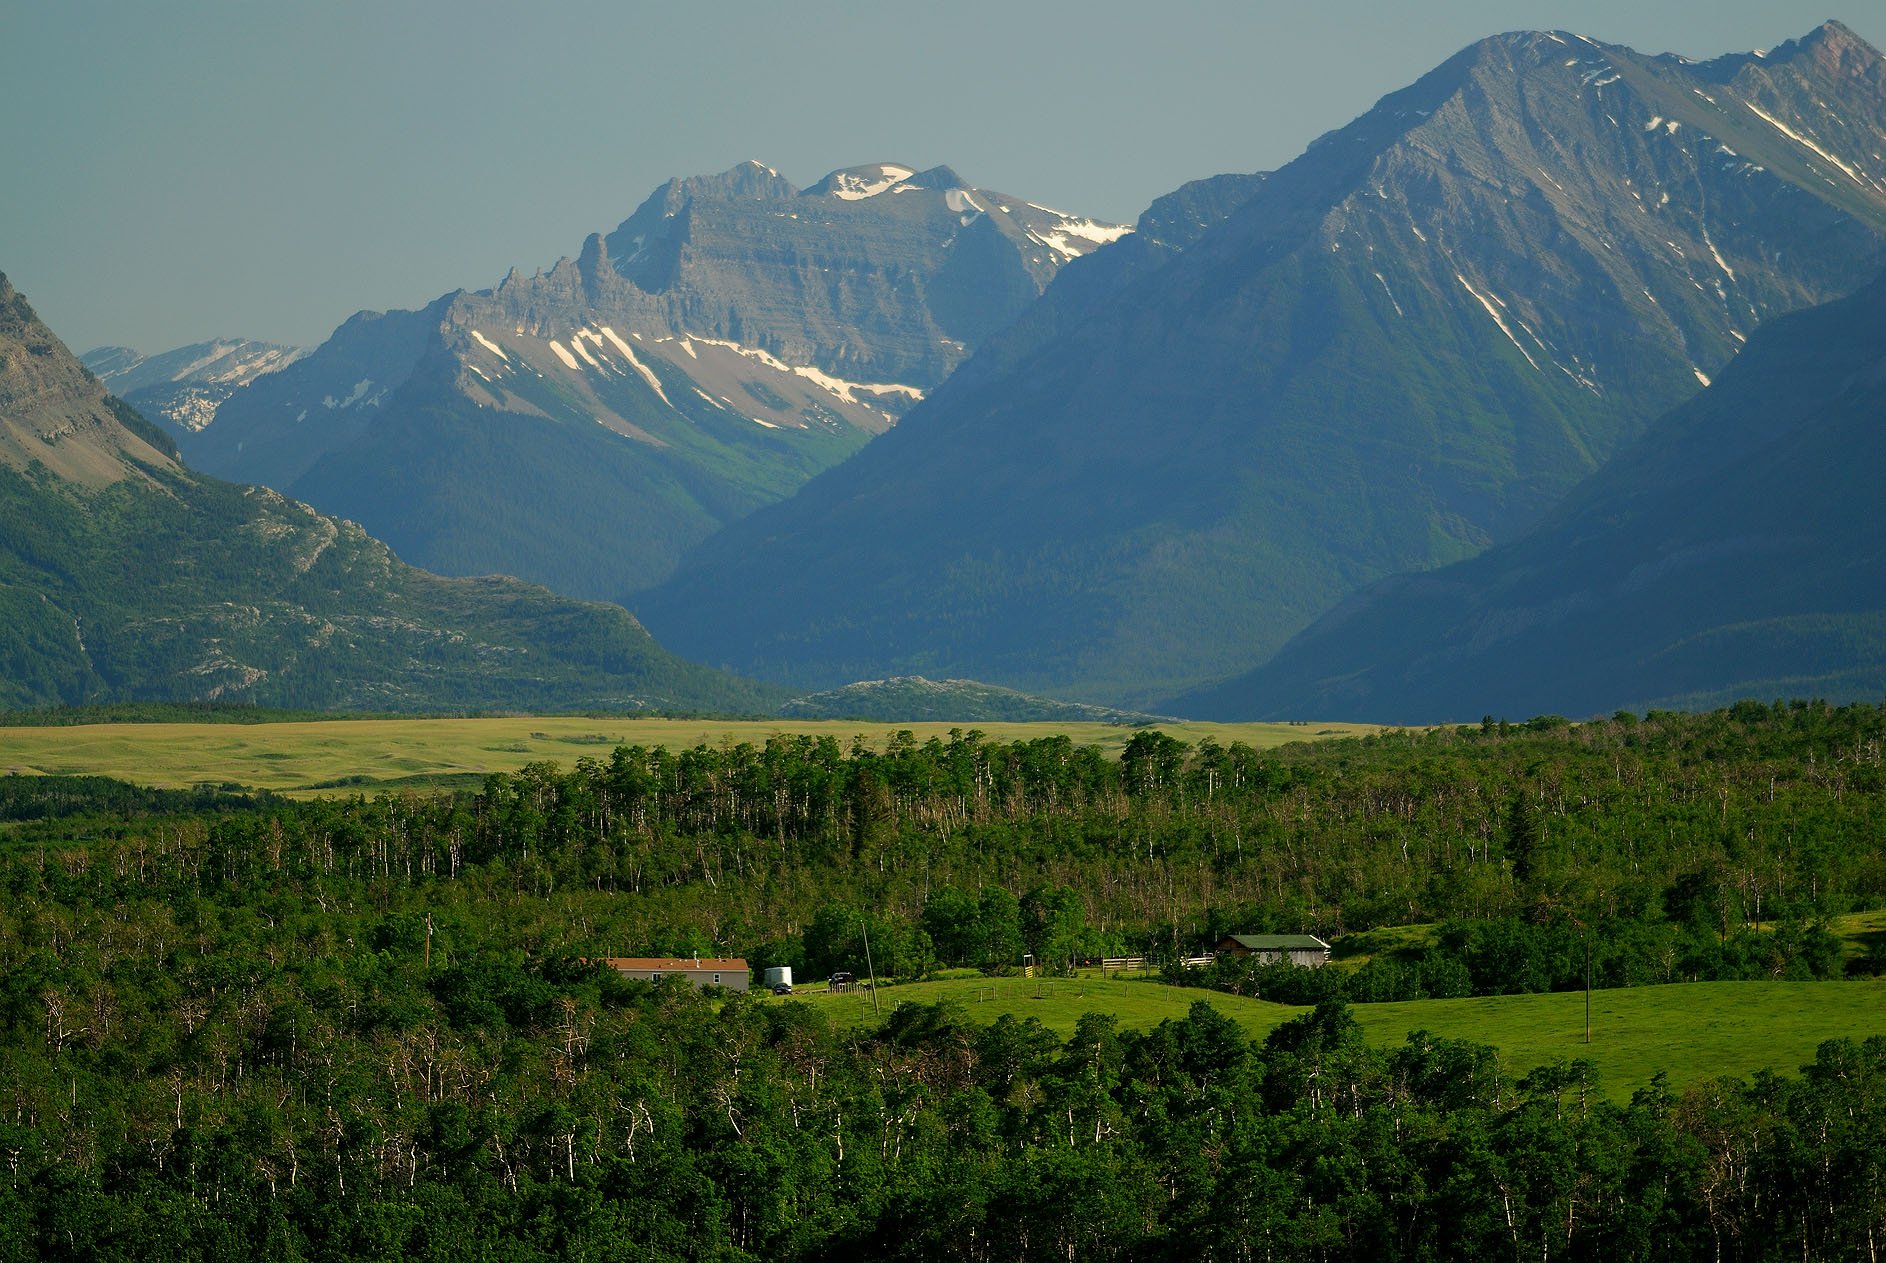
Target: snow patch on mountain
{"x":838,"y":386}
{"x":359,"y":393}
{"x":960,"y":201}
{"x":851,"y":186}
{"x":1498,"y":318}
{"x":648,"y":374}
{"x":576,"y":344}
{"x":1799,"y":139}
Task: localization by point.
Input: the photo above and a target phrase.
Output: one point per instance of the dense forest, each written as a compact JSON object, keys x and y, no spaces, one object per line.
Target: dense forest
{"x":225,"y":1030}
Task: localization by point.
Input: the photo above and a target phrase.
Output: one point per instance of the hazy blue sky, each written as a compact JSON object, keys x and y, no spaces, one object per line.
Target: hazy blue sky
{"x":180,"y":170}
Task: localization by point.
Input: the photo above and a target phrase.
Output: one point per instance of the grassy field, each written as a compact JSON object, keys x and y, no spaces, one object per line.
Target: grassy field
{"x":1689,"y":1031}
{"x":359,"y":754}
{"x":1139,"y":1004}
{"x":1862,"y":934}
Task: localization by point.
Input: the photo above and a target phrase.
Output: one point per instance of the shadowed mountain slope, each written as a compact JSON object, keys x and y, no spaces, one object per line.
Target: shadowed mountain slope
{"x":1737,"y":551}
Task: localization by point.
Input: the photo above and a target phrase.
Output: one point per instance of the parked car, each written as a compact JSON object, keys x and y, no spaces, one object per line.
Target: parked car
{"x":782,"y":988}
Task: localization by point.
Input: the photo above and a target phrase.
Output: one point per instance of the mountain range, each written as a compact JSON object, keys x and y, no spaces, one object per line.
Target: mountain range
{"x":1397,"y":350}
{"x":584,"y":426}
{"x":1737,"y":550}
{"x":1450,"y":415}
{"x":126,"y":576}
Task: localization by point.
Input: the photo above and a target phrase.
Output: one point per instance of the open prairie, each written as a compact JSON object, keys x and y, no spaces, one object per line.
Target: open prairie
{"x":364,"y":754}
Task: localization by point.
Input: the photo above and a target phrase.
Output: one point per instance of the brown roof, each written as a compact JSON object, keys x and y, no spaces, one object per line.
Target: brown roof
{"x":670,"y":963}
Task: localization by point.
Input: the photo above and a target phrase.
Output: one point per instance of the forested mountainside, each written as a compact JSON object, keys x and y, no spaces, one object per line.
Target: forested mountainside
{"x":125,"y":576}
{"x":1402,"y":347}
{"x":583,"y":427}
{"x":1737,"y":550}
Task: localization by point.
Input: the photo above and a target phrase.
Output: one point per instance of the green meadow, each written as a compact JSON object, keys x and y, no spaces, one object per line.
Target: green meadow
{"x":1687,"y":1031}
{"x":348,"y":755}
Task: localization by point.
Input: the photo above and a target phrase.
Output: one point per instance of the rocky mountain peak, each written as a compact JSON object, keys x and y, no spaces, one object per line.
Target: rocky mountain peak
{"x":594,"y":267}
{"x":1180,"y":217}
{"x":751,"y":178}
{"x":936,"y":178}
{"x":1830,"y":50}
{"x":927,"y":273}
{"x":1834,"y":48}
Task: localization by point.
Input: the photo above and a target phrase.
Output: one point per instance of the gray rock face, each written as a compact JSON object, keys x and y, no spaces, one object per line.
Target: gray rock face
{"x":1400,"y":348}
{"x":878,"y":273}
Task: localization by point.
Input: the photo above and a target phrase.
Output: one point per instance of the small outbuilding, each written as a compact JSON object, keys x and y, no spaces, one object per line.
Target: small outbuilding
{"x":709,"y":971}
{"x":1306,"y":950}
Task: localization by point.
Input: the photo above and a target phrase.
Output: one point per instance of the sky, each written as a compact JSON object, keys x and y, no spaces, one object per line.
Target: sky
{"x":186,"y":170}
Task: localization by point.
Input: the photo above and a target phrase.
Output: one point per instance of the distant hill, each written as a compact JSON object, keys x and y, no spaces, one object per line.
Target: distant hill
{"x":126,"y":577}
{"x":913,"y":699}
{"x":1400,"y":348}
{"x":1738,"y":550}
{"x":584,"y":426}
{"x":184,"y":387}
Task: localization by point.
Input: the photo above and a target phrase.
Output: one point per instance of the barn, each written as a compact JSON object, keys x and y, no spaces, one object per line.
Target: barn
{"x":1306,"y":950}
{"x":729,"y":972}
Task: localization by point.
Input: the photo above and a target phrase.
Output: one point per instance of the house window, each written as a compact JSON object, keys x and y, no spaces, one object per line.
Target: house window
{"x":716,"y":977}
{"x":655,"y":976}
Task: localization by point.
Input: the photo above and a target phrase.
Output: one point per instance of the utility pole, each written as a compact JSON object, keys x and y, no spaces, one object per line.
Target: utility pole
{"x":869,"y":967}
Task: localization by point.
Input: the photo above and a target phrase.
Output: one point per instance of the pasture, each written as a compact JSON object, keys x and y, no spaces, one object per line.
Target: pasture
{"x":365,"y":755}
{"x":1688,"y":1031}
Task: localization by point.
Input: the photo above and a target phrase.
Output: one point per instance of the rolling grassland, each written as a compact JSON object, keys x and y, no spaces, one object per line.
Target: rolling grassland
{"x":354,"y":755}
